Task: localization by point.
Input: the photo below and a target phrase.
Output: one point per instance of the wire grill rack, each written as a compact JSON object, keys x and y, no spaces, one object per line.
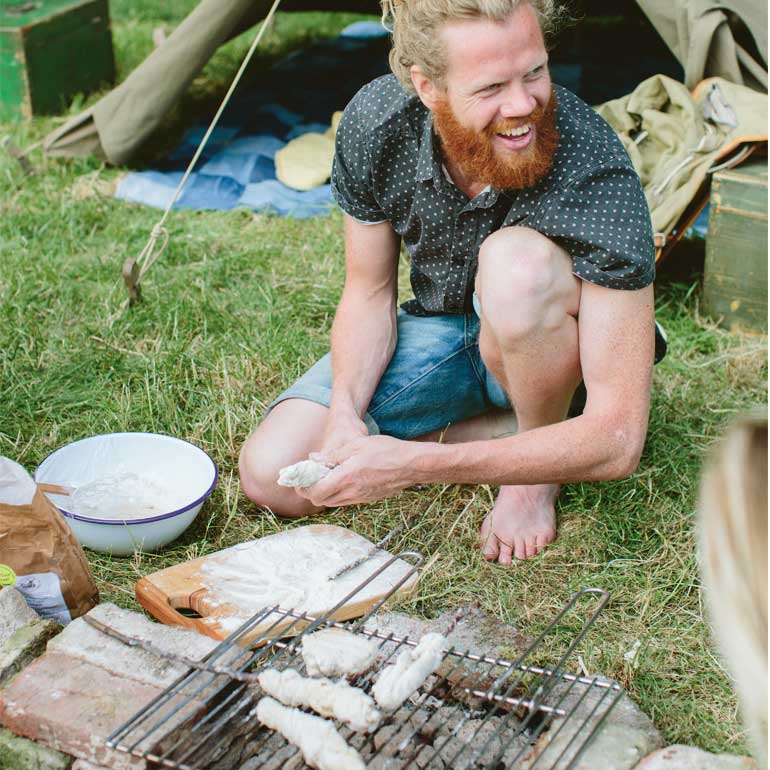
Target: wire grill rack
{"x":476,"y":711}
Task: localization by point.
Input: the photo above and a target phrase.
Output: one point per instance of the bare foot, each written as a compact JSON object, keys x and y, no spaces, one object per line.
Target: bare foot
{"x":521,"y":523}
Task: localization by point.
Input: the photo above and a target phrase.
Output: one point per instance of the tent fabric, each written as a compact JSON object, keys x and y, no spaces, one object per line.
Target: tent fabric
{"x":673,"y":136}
{"x":118,"y":124}
{"x":714,"y":38}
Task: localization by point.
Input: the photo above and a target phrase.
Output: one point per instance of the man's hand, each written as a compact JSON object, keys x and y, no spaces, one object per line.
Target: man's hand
{"x":366,"y":469}
{"x":342,"y":429}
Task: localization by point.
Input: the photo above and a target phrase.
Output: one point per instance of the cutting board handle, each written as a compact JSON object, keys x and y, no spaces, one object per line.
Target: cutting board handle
{"x":166,"y":607}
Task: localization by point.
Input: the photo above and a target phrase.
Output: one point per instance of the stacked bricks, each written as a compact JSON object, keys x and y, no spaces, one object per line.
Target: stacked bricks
{"x":86,"y":684}
{"x":63,"y":692}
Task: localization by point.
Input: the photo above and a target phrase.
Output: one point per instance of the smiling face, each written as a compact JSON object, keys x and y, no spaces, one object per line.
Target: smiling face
{"x":495,"y":111}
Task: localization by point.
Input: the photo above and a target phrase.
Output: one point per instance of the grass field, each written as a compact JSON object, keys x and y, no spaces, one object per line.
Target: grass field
{"x":240,"y":304}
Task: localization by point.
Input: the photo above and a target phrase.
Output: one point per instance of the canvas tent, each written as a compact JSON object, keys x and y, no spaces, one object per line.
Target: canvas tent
{"x":118,"y":124}
{"x":714,"y":38}
{"x":727,"y":38}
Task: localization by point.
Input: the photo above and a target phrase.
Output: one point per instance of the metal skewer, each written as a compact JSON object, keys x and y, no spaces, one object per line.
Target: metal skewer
{"x":368,"y":555}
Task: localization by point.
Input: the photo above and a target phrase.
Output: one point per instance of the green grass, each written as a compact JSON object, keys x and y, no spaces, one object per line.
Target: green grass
{"x":239,"y":305}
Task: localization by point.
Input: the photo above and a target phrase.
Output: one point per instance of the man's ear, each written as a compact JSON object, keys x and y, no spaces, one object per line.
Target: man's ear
{"x":430,"y":94}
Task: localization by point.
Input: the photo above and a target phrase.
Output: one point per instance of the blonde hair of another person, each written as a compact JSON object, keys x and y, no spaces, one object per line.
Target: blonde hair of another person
{"x":733,"y":558}
{"x":415,"y":26}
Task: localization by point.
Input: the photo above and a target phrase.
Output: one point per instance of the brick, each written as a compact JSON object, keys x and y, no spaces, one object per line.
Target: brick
{"x":679,"y":757}
{"x":14,"y":613}
{"x":73,"y":707}
{"x":88,"y":644}
{"x":21,"y":754}
{"x":626,"y":735}
{"x":24,"y":645}
{"x":82,"y":764}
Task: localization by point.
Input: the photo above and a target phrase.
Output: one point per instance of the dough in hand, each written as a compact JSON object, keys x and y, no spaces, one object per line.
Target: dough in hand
{"x":349,"y":705}
{"x":412,"y":667}
{"x":302,"y":474}
{"x":321,"y":745}
{"x":335,"y":652}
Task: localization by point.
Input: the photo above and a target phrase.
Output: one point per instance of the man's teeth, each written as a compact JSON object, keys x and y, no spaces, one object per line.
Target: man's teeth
{"x":520,"y":131}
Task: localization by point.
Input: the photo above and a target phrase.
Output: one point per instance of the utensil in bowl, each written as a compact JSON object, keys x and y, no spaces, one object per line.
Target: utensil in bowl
{"x":186,"y":470}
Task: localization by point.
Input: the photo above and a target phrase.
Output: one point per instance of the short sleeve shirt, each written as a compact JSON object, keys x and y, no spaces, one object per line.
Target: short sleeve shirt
{"x":388,"y":167}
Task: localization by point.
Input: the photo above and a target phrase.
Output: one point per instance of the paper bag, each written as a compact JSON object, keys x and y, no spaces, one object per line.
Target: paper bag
{"x":38,"y":545}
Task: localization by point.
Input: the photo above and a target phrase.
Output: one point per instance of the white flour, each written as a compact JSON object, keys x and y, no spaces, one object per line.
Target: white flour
{"x":121,"y":496}
{"x":291,"y":569}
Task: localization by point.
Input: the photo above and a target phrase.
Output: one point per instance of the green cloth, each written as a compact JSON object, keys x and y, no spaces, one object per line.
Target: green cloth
{"x":671,"y":142}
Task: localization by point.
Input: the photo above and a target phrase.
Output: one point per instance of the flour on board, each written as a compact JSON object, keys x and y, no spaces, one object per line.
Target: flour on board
{"x":292,"y":569}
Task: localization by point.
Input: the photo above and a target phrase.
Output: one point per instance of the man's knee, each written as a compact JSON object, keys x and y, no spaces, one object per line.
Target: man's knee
{"x":524,"y":282}
{"x":259,"y":481}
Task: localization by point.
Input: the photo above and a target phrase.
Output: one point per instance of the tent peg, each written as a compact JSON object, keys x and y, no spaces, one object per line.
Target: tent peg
{"x":131,"y":278}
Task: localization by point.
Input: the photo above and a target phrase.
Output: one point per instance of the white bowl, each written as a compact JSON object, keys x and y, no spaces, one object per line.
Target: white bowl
{"x":188,"y":473}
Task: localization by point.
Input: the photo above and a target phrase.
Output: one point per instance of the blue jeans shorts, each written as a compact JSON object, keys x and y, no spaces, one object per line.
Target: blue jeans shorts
{"x":435,"y":378}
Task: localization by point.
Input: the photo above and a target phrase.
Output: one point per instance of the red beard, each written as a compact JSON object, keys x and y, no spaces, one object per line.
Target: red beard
{"x":479,"y":161}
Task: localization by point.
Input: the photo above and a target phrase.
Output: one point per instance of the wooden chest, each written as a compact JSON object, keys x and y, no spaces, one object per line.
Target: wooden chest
{"x":51,"y":50}
{"x":735,"y":273}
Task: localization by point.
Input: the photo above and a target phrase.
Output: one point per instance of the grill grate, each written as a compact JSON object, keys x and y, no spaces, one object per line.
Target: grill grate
{"x":476,"y":711}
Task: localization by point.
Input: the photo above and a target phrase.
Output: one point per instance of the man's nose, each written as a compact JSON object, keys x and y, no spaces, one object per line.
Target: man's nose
{"x":518,"y":102}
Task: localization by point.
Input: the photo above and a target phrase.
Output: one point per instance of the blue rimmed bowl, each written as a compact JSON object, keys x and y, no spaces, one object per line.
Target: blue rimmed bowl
{"x":187,"y":472}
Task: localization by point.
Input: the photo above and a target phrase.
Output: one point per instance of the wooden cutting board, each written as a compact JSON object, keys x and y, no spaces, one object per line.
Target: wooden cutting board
{"x":290,"y":568}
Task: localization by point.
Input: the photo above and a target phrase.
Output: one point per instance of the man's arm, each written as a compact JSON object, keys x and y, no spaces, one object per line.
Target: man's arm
{"x":617,"y":346}
{"x":616,"y":351}
{"x":364,"y":331}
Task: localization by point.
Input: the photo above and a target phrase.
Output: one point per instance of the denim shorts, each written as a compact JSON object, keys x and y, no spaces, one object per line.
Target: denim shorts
{"x":435,"y":378}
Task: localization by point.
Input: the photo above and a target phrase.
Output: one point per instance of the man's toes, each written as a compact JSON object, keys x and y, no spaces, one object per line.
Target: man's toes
{"x":505,"y":554}
{"x":544,"y":539}
{"x":490,"y":549}
{"x":519,"y":548}
{"x":541,"y":541}
{"x":530,"y":547}
{"x":488,"y":542}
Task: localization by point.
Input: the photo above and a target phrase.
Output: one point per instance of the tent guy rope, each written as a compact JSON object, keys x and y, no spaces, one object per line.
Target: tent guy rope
{"x":134,"y":270}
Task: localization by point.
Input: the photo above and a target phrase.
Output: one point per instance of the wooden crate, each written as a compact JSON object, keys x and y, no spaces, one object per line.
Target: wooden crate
{"x":51,"y":50}
{"x":735,"y":273}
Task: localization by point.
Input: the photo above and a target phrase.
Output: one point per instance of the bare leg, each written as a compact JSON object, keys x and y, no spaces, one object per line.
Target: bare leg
{"x":493,"y":424}
{"x":292,"y":430}
{"x":529,"y":341}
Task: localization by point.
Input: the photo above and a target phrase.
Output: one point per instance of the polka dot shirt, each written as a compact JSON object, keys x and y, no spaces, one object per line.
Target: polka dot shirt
{"x":387,"y":167}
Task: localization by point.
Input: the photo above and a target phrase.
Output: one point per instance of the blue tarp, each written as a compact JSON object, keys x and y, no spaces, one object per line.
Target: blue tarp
{"x":237,"y":167}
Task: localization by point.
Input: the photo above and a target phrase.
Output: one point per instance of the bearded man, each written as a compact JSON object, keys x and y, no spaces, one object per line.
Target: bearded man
{"x":532,"y":264}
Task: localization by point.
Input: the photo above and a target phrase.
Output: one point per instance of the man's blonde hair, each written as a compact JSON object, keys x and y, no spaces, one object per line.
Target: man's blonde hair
{"x":415,"y":26}
{"x":732,"y":528}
